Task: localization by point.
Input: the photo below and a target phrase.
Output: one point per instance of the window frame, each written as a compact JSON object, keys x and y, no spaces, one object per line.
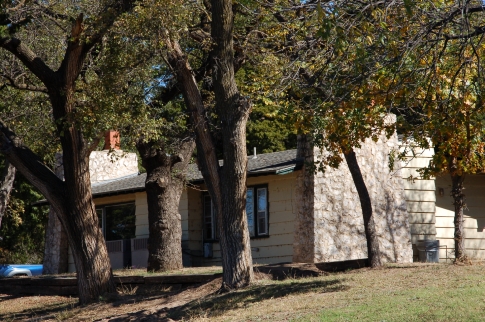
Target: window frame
{"x":257,"y":234}
{"x":214,"y":236}
{"x":103,"y":214}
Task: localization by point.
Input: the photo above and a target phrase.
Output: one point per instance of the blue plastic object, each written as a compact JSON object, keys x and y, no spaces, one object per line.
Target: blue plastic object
{"x":20,"y":270}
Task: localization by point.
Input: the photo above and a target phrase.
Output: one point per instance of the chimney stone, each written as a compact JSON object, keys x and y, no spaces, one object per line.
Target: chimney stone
{"x":111,"y":140}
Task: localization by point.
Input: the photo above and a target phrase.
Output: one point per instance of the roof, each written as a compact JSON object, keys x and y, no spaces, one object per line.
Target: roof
{"x":264,"y":164}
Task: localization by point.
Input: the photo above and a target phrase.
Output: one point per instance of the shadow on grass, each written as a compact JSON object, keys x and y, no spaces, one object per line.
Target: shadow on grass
{"x":68,"y":310}
{"x":218,"y":304}
{"x":30,"y":313}
{"x":285,"y":271}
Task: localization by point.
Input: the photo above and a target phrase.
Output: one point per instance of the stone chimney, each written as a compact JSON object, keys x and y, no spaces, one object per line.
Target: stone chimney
{"x":111,"y":140}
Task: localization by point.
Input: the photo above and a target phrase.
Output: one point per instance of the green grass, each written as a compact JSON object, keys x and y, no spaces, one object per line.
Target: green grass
{"x":421,"y":304}
{"x":440,"y":293}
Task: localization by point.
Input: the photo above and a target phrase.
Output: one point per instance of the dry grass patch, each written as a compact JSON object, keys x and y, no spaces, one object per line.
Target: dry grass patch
{"x":17,"y":308}
{"x":416,"y":292}
{"x":183,"y":271}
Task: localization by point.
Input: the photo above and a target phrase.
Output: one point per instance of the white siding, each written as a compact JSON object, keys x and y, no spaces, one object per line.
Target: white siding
{"x":474,"y":215}
{"x":420,"y":197}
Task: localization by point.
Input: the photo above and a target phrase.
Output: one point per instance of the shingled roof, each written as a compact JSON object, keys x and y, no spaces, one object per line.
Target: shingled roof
{"x":264,"y":164}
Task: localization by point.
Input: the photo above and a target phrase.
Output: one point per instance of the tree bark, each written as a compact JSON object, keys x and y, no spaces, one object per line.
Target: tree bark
{"x":458,"y":196}
{"x":6,"y":186}
{"x":227,"y":184}
{"x":56,"y":246}
{"x":373,"y":251}
{"x":164,"y":185}
{"x":233,"y":110}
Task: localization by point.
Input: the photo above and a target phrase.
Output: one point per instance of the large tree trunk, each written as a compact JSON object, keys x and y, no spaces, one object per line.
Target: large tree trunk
{"x":226,"y":185}
{"x":80,"y":220}
{"x":71,"y":199}
{"x":164,"y":185}
{"x":6,"y":186}
{"x":373,"y":251}
{"x":457,"y":180}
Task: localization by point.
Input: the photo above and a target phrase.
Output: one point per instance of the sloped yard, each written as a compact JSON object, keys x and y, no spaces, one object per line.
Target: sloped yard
{"x":415,"y":292}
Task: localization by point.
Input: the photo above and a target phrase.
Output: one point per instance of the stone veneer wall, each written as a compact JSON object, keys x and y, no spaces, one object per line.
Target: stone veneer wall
{"x":330,"y":228}
{"x":108,"y":166}
{"x":105,"y":165}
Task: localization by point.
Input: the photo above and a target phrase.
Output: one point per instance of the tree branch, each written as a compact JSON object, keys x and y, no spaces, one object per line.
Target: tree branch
{"x":27,"y":87}
{"x":31,"y":166}
{"x":55,"y":15}
{"x":33,"y":62}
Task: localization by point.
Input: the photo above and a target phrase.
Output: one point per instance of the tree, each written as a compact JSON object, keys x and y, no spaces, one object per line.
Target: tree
{"x":441,"y":89}
{"x":170,"y":88}
{"x":71,"y":198}
{"x":334,"y":64}
{"x":6,"y":185}
{"x":227,"y":184}
{"x":23,"y":226}
{"x":154,"y":125}
{"x":164,"y":184}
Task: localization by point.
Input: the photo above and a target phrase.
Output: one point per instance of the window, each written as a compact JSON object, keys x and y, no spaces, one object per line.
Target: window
{"x":117,"y":221}
{"x":256,"y":212}
{"x":209,"y":219}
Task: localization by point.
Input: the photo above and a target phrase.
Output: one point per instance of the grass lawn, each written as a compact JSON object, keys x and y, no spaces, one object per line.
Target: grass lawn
{"x":414,"y":292}
{"x":437,"y":292}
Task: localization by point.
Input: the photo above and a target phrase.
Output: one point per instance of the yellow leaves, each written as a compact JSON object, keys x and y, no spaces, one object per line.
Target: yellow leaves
{"x":268,"y":101}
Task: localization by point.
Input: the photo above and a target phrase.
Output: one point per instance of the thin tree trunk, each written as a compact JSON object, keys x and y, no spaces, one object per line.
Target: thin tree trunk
{"x":233,"y":110}
{"x":6,"y":186}
{"x":56,"y":246}
{"x":56,"y":249}
{"x":164,"y":185}
{"x":373,"y":251}
{"x":458,"y":196}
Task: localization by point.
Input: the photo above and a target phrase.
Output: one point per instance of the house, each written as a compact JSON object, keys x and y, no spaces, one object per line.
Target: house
{"x":431,"y":209}
{"x":295,"y":215}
